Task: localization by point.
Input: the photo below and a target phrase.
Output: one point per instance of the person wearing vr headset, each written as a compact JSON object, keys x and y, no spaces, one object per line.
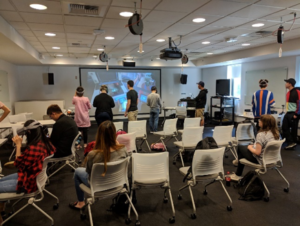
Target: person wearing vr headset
{"x":6,"y":111}
{"x":29,"y":161}
{"x":103,"y":104}
{"x":82,"y":117}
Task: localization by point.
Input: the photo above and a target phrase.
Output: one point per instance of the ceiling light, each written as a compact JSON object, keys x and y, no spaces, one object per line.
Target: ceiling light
{"x":50,"y":34}
{"x":59,"y":55}
{"x":246,"y":44}
{"x":205,"y":43}
{"x":157,"y":58}
{"x":126,"y":14}
{"x":55,"y":47}
{"x":258,"y":25}
{"x":38,"y":6}
{"x":139,"y":51}
{"x":100,"y":49}
{"x":209,"y":53}
{"x":160,"y":40}
{"x":109,"y":38}
{"x":198,"y":20}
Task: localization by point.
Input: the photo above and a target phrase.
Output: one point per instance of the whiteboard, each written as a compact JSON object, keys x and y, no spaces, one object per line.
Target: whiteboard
{"x":275,"y":76}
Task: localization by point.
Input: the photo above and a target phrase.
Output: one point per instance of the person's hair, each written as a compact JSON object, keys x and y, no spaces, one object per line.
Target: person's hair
{"x":105,"y":140}
{"x":263,"y":83}
{"x":130,"y":83}
{"x":153,"y":88}
{"x":269,"y":124}
{"x":79,"y":91}
{"x":54,"y":108}
{"x":104,"y":87}
{"x":36,"y":135}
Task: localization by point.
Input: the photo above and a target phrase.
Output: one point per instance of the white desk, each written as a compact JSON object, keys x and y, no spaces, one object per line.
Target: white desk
{"x":165,"y":109}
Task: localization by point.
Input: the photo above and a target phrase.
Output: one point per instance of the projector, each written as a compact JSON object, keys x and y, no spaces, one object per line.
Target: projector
{"x":171,"y":53}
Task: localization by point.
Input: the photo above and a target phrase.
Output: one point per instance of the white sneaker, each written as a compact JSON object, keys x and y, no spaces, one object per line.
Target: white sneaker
{"x":235,"y":177}
{"x":235,"y":162}
{"x":290,"y":146}
{"x":151,"y":132}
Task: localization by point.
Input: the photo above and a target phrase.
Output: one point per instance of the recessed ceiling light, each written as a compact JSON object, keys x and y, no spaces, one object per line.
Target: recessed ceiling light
{"x":100,"y":49}
{"x":38,"y":6}
{"x":198,"y":20}
{"x":59,"y":55}
{"x":246,"y":44}
{"x":126,"y":14}
{"x":160,"y":40}
{"x":139,"y":51}
{"x":157,"y":58}
{"x":55,"y":47}
{"x":205,"y":43}
{"x":50,"y":34}
{"x":258,"y":25}
{"x":209,"y":53}
{"x":109,"y":38}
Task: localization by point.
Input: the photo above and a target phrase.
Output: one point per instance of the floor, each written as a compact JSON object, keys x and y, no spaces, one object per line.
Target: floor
{"x":282,"y":209}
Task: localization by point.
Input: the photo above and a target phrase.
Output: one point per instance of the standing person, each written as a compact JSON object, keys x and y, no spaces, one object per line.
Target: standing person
{"x":201,"y":102}
{"x":132,"y":102}
{"x":103,"y":104}
{"x":291,"y":118}
{"x":153,"y":101}
{"x":82,"y":118}
{"x":6,"y":111}
{"x":262,"y":101}
{"x":64,"y":131}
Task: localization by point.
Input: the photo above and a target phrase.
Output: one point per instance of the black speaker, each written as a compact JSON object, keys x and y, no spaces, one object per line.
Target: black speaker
{"x":183,"y":79}
{"x":128,"y":64}
{"x":50,"y":79}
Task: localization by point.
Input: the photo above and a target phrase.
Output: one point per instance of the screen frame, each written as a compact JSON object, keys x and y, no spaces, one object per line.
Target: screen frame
{"x":227,"y":80}
{"x":128,"y":69}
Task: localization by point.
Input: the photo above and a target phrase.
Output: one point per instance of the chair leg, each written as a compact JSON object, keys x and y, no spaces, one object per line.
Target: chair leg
{"x":12,"y":154}
{"x":90,"y":215}
{"x":44,"y":213}
{"x":58,"y":170}
{"x":180,"y":154}
{"x":15,"y":213}
{"x":184,"y":187}
{"x":49,"y":193}
{"x":172,"y":204}
{"x":162,"y":141}
{"x":228,"y":196}
{"x":267,"y":190}
{"x":148,"y":146}
{"x":131,"y":205}
{"x":193,"y":202}
{"x":209,"y":184}
{"x":233,"y":151}
{"x":288,"y":184}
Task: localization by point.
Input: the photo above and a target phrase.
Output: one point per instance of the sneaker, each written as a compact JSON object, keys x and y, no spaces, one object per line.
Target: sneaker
{"x":235,"y":162}
{"x":235,"y":177}
{"x":151,"y":132}
{"x":290,"y":146}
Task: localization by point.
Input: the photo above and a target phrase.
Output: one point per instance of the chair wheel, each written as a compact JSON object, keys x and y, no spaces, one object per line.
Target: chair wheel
{"x":55,"y":206}
{"x":137,"y":223}
{"x":229,"y":208}
{"x":165,"y":200}
{"x":286,"y":190}
{"x":205,"y":192}
{"x":193,"y":216}
{"x":172,"y":220}
{"x":174,"y":162}
{"x":11,"y":213}
{"x":266,"y":199}
{"x":128,"y":221}
{"x":179,"y":197}
{"x":82,"y":216}
{"x":79,"y":161}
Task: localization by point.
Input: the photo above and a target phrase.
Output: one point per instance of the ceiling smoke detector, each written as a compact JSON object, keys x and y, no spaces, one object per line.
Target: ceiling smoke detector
{"x":230,"y":40}
{"x":98,"y":32}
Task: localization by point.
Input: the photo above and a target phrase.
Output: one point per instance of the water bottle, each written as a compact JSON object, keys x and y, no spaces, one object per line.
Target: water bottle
{"x":228,"y":179}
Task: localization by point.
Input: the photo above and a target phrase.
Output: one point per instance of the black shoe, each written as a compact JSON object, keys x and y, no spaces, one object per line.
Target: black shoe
{"x":290,"y":146}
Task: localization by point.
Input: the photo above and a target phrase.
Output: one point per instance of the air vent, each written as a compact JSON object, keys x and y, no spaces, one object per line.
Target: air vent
{"x":193,"y":53}
{"x":81,"y":45}
{"x":84,"y":9}
{"x":257,"y":34}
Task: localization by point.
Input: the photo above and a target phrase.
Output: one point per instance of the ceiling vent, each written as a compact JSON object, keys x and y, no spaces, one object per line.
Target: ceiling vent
{"x":84,"y":9}
{"x":257,"y":34}
{"x":80,"y":45}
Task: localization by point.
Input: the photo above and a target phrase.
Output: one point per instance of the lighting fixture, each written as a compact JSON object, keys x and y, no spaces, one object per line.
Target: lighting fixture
{"x":100,"y":49}
{"x":157,"y":58}
{"x":59,"y":55}
{"x":38,"y":6}
{"x":209,"y":53}
{"x":205,"y":43}
{"x":246,"y":44}
{"x":160,"y":40}
{"x":55,"y":47}
{"x":258,"y":25}
{"x":50,"y":34}
{"x":198,"y":20}
{"x":126,"y":14}
{"x":109,"y":38}
{"x":139,"y":51}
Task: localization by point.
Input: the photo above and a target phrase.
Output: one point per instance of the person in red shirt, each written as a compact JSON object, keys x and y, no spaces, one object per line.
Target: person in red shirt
{"x":28,"y":162}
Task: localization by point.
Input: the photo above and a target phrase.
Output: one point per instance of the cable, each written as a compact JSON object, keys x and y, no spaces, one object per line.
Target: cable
{"x":273,"y":33}
{"x":179,"y":42}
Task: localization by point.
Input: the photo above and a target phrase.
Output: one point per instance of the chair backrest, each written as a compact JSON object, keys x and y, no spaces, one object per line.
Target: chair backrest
{"x":181,"y":111}
{"x":244,"y":131}
{"x":116,"y":176}
{"x":191,"y":122}
{"x":192,"y":135}
{"x":73,"y":148}
{"x":17,"y":118}
{"x":152,"y":167}
{"x":128,"y":140}
{"x":208,"y":162}
{"x":281,"y":120}
{"x":272,"y":152}
{"x":139,"y":127}
{"x":118,"y":125}
{"x":42,"y":177}
{"x":170,"y":126}
{"x":28,"y":116}
{"x":223,"y":134}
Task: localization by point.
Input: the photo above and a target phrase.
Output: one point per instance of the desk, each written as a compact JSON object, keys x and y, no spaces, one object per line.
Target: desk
{"x":165,"y":109}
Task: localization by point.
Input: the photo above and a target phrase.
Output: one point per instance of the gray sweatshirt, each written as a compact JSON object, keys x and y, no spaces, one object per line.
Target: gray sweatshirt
{"x":153,"y":100}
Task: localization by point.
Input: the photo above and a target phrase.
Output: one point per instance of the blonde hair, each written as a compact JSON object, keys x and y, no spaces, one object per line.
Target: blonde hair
{"x":104,"y":87}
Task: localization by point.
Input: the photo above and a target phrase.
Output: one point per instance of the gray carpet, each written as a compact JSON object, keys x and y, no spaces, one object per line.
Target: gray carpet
{"x":282,"y":209}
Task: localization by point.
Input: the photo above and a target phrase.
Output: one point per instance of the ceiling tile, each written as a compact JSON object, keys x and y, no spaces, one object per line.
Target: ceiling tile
{"x":278,"y":3}
{"x":81,"y":36}
{"x":53,"y":7}
{"x":42,"y":34}
{"x":26,"y":33}
{"x":19,"y":25}
{"x":61,"y":50}
{"x":83,"y":21}
{"x":52,"y":40}
{"x":255,"y":11}
{"x":130,"y":3}
{"x":231,"y":22}
{"x":86,"y":41}
{"x":114,"y":23}
{"x":208,"y":19}
{"x":31,"y":39}
{"x":90,"y":2}
{"x":79,"y":29}
{"x":51,"y":44}
{"x":78,"y":50}
{"x":113,"y":12}
{"x":42,"y":18}
{"x":163,"y":16}
{"x":46,"y":27}
{"x":180,"y":6}
{"x":5,"y":5}
{"x":11,"y":16}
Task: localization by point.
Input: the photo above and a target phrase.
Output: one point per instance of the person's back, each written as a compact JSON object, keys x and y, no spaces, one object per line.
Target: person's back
{"x":132,"y":102}
{"x":153,"y":100}
{"x":103,"y":103}
{"x":263,"y":138}
{"x":82,"y":107}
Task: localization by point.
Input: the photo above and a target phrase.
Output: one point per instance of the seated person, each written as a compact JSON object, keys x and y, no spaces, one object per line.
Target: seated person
{"x":64,"y":131}
{"x":29,"y":162}
{"x":107,"y":149}
{"x":253,"y":153}
{"x":6,"y":111}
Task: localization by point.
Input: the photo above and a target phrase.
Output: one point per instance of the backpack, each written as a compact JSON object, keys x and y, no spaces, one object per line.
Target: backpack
{"x":89,"y":147}
{"x":157,"y":147}
{"x":120,"y":131}
{"x":250,"y":187}
{"x":206,"y":143}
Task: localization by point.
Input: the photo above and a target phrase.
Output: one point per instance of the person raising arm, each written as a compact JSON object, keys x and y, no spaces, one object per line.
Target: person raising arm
{"x":6,"y":111}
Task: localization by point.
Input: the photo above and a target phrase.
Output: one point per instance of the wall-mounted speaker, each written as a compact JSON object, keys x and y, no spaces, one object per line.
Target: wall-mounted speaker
{"x":128,"y":64}
{"x":50,"y":79}
{"x":183,"y":79}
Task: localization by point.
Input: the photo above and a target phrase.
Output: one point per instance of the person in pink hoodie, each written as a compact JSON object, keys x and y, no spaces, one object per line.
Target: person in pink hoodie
{"x":82,"y":118}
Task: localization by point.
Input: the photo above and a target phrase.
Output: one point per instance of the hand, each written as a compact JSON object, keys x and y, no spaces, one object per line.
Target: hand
{"x":295,"y":116}
{"x":125,"y":114}
{"x":17,"y":140}
{"x":250,"y":146}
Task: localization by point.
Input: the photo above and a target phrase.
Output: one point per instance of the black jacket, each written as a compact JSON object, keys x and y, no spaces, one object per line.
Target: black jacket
{"x":201,"y":99}
{"x":104,"y":103}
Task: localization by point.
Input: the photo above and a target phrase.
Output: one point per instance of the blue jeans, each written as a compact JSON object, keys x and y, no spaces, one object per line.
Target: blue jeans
{"x":9,"y":183}
{"x":80,"y":177}
{"x":101,"y":117}
{"x":153,"y":120}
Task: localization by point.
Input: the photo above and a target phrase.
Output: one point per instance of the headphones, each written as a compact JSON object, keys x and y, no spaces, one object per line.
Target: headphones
{"x":82,"y":92}
{"x":33,"y":125}
{"x":104,"y":87}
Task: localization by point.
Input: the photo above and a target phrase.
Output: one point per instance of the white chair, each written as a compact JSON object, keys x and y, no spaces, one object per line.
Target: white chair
{"x":17,"y":118}
{"x":118,"y":125}
{"x":128,"y":140}
{"x":139,"y":127}
{"x":223,"y":137}
{"x":115,"y":182}
{"x":207,"y":166}
{"x":68,"y":160}
{"x":271,"y":160}
{"x":190,"y":122}
{"x":152,"y":170}
{"x":181,"y":112}
{"x":190,"y":138}
{"x":169,"y":131}
{"x":28,"y":116}
{"x":32,"y":197}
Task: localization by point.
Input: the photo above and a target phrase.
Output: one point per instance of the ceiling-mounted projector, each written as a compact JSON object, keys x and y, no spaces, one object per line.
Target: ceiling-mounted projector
{"x":171,"y":53}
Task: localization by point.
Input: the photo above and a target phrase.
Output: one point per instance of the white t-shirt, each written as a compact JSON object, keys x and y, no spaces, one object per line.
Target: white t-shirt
{"x":262,"y":138}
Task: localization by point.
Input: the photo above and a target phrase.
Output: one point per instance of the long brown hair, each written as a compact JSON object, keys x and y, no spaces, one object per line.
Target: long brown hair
{"x":106,"y":140}
{"x":269,"y":124}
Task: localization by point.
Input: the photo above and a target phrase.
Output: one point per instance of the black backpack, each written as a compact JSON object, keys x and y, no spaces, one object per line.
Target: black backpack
{"x":251,"y":187}
{"x":206,"y":143}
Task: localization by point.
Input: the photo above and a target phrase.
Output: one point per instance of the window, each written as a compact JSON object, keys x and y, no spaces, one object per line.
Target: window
{"x":234,"y":73}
